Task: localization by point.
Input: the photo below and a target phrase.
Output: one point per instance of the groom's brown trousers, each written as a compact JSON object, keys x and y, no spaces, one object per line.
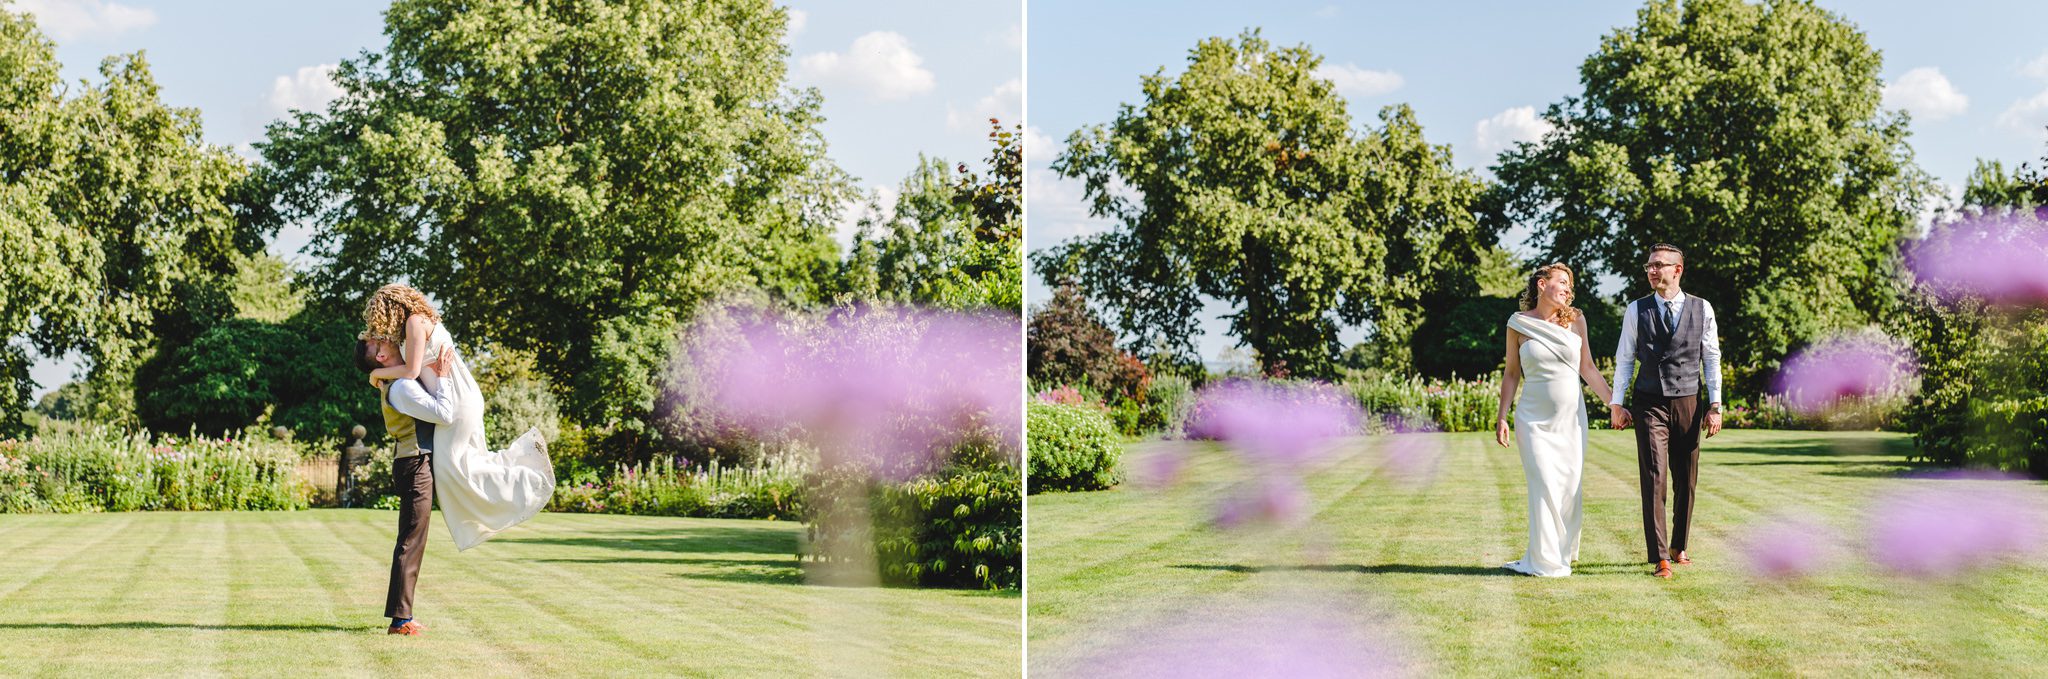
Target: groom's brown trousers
{"x":414,"y":477}
{"x":1667,"y":445}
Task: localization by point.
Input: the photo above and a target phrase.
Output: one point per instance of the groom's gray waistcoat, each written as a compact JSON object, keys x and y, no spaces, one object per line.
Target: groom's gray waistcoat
{"x":1670,"y":357}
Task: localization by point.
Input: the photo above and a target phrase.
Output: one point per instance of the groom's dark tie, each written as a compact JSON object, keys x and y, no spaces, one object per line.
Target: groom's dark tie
{"x":1671,"y":315}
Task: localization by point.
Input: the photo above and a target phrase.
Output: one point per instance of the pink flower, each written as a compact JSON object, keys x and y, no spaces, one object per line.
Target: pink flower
{"x":1786,"y":548}
{"x":1411,"y":460}
{"x":2000,"y":256}
{"x":891,"y":390}
{"x":1240,"y":639}
{"x":1273,"y":423}
{"x":1843,"y":367}
{"x":1966,"y":523}
{"x":1273,"y":500}
{"x":1158,"y":465}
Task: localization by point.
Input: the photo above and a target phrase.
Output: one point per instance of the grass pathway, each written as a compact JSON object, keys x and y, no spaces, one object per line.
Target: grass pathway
{"x":1423,"y":563}
{"x":301,"y":594}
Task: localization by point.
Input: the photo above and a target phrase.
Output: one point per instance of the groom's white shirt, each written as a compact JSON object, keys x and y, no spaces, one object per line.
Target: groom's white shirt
{"x":1710,"y":354}
{"x":412,"y":400}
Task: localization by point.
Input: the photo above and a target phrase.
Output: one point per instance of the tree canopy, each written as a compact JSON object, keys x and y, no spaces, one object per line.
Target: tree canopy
{"x":1752,"y":137}
{"x":1243,"y":179}
{"x":568,"y":179}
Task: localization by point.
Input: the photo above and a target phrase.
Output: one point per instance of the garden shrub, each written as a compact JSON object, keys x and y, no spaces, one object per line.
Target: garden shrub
{"x":1167,"y":404}
{"x":92,"y":468}
{"x":770,"y":489}
{"x":961,"y":527}
{"x":1071,"y":448}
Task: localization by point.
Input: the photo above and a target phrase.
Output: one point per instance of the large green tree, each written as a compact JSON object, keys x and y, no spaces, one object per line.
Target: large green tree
{"x":1243,"y":179}
{"x":118,"y":226}
{"x":1751,"y":136}
{"x":569,"y":178}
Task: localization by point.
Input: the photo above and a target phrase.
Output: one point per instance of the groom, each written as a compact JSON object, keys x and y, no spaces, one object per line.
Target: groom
{"x":1671,"y":348}
{"x":410,"y":415}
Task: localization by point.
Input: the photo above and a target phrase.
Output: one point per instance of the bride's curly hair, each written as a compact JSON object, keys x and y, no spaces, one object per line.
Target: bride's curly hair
{"x":1568,"y":314}
{"x":387,"y":310}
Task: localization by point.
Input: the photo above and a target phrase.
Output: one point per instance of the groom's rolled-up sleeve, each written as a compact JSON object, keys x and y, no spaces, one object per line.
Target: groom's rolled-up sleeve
{"x":1624,"y":358}
{"x":1710,"y":354}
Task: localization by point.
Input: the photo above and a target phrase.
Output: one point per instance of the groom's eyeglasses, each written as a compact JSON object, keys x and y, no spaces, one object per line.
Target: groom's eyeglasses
{"x":1653,"y":266}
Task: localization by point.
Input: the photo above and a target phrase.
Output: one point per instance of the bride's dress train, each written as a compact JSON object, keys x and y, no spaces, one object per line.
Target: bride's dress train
{"x":1550,"y":429}
{"x":482,"y":491}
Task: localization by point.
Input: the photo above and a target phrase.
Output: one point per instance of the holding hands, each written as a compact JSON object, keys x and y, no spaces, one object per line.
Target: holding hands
{"x":1619,"y":417}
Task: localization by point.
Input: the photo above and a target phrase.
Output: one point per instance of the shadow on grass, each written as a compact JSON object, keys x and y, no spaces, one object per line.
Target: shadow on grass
{"x":175,"y":625}
{"x":1353,"y":568}
{"x":1817,"y":446}
{"x":778,"y":576}
{"x":789,"y":562}
{"x":696,"y":540}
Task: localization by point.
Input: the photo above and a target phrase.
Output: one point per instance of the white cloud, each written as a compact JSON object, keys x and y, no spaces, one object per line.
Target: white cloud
{"x":1059,"y":210}
{"x":798,"y":19}
{"x":307,"y":90}
{"x":2036,"y":69}
{"x":1925,"y":93}
{"x":851,"y":213}
{"x":1039,"y":149}
{"x":67,"y":20}
{"x":880,"y":63}
{"x":1502,"y":131}
{"x":1353,"y":81}
{"x":1006,"y":103}
{"x":2029,"y":116}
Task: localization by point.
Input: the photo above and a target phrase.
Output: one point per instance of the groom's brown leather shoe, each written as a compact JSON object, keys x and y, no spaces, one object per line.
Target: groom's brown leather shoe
{"x":1683,"y":560}
{"x":410,"y":628}
{"x":1663,"y":570}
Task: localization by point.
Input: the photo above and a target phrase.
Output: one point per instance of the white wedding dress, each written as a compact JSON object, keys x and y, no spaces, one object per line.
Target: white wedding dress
{"x":481,"y":491}
{"x":1550,"y":428}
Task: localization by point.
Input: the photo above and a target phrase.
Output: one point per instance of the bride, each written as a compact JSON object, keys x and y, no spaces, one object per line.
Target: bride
{"x":1547,"y":356}
{"x":481,"y":491}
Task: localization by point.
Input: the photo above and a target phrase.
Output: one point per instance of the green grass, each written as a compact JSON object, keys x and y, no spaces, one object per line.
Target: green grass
{"x":1423,"y":563}
{"x":301,"y":594}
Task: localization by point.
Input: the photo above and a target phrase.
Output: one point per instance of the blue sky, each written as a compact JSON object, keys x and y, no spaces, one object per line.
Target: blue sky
{"x":1477,"y":74}
{"x":899,"y":78}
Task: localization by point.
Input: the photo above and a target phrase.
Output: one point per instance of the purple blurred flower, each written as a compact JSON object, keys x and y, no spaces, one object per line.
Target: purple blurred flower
{"x":1253,"y":640}
{"x":1277,"y":499}
{"x":2000,"y":256}
{"x":1158,"y":465}
{"x":1787,"y":548}
{"x":1412,"y":460}
{"x":892,"y":389}
{"x":1843,"y":367}
{"x":1276,"y":424}
{"x":1945,"y":530}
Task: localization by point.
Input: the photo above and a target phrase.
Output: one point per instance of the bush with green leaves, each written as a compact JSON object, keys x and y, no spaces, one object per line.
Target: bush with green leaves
{"x":964,"y":529}
{"x":1167,"y":404}
{"x":961,"y":527}
{"x":92,"y":468}
{"x":1071,"y":448}
{"x":1441,"y":404}
{"x":771,"y":489}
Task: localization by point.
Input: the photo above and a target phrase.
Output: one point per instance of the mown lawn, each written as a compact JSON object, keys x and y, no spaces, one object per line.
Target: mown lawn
{"x":301,"y":594}
{"x":1421,"y":565}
